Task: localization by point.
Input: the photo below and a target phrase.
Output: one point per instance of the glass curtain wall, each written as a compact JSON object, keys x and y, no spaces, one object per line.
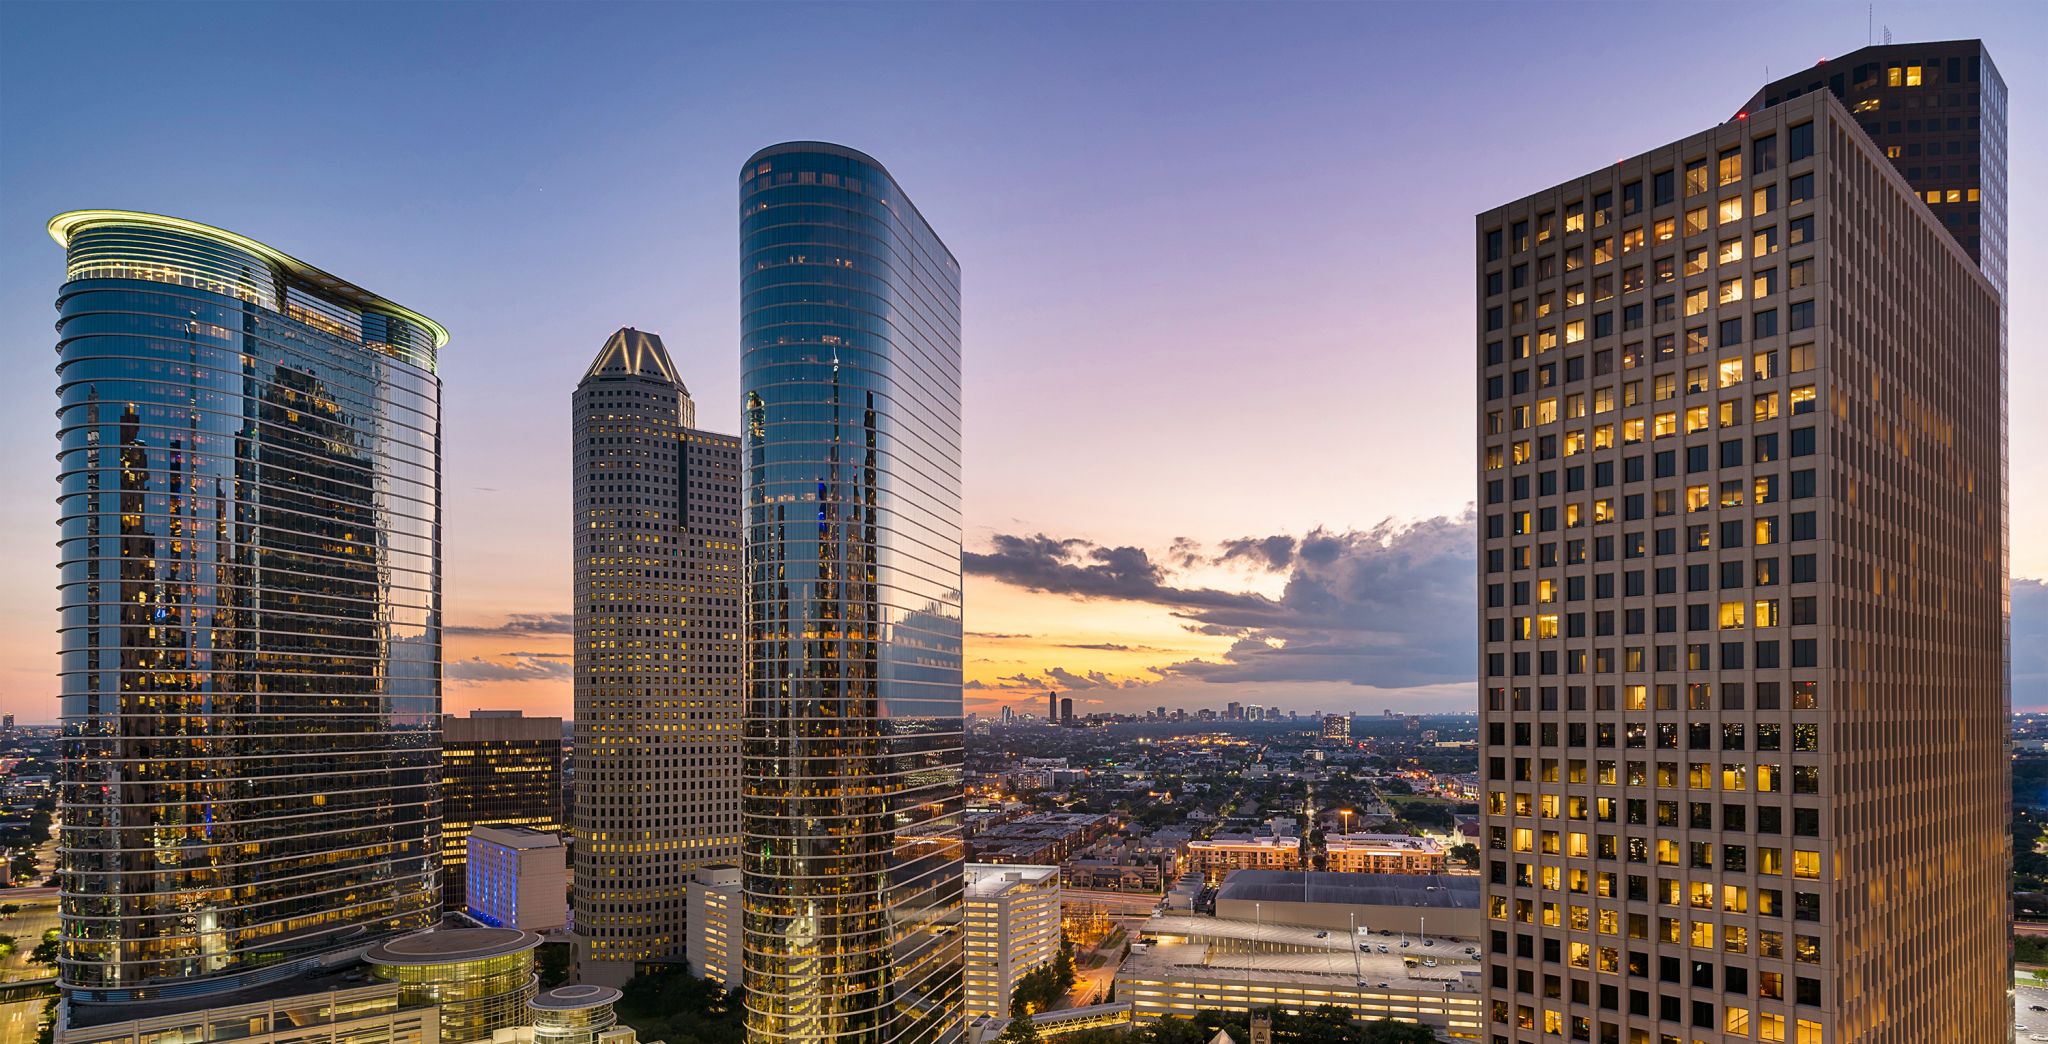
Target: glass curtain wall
{"x":250,"y":584}
{"x":850,"y":379}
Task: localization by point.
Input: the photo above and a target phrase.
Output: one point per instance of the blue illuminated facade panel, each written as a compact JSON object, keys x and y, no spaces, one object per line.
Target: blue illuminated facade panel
{"x":850,"y":380}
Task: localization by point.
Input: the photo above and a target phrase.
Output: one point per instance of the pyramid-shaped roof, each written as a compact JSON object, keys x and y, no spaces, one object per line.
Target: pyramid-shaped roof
{"x":634,"y":353}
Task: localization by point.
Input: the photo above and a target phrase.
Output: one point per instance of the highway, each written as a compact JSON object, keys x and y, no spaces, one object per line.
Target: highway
{"x":2033,"y":1022}
{"x":38,"y":914}
{"x":19,"y":1021}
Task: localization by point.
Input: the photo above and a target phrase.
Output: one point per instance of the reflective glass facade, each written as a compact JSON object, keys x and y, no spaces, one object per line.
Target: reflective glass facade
{"x":850,"y":379}
{"x":250,"y":602}
{"x":657,"y":654}
{"x":481,"y":978}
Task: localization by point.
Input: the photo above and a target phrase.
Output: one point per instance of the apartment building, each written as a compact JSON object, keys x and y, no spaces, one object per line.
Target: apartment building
{"x":1384,"y":854}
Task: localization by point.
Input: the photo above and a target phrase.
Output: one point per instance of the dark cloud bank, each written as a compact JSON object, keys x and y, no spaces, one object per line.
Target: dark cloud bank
{"x":1387,"y":607}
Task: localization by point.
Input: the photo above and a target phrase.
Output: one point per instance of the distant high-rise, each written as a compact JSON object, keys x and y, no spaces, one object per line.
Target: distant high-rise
{"x":501,"y":768}
{"x":1066,"y":711}
{"x":250,"y":581}
{"x":1052,"y":706}
{"x":657,"y":654}
{"x":1740,"y":465}
{"x":1337,"y":729}
{"x":850,"y":378}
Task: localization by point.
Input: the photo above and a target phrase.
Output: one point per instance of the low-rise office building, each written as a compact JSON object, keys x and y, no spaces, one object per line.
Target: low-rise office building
{"x":1186,"y":964}
{"x":482,"y":978}
{"x":517,"y":878}
{"x":1442,"y":905}
{"x":328,"y":1009}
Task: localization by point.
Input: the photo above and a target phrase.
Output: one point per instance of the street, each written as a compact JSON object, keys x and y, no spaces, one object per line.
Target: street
{"x":18,"y":1021}
{"x":38,"y":914}
{"x":2033,"y":1021}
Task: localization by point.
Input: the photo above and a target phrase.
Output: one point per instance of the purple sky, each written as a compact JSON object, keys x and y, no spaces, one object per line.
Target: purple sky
{"x":1215,"y":259}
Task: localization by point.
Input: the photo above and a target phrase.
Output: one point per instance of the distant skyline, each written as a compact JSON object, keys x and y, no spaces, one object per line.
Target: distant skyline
{"x":1198,"y":242}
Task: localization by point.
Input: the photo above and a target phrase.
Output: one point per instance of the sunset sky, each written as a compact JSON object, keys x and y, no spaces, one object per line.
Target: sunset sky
{"x":1216,"y":277}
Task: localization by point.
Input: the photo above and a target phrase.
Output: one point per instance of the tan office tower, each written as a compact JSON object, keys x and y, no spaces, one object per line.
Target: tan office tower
{"x":657,"y":672}
{"x":1742,"y":427}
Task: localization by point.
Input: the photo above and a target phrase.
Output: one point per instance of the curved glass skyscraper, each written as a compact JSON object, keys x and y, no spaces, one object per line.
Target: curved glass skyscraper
{"x":250,"y":591}
{"x":850,"y":378}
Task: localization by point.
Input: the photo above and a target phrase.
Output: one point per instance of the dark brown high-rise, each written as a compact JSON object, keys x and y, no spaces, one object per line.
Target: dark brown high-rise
{"x":500,"y":768}
{"x":1741,"y":460}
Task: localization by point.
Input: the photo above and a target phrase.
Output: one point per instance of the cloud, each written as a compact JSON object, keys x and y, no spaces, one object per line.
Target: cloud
{"x":992,"y":634}
{"x":523,"y":624}
{"x":1060,"y":679}
{"x":1388,"y":607}
{"x":1083,"y":569}
{"x":1112,"y":647}
{"x":520,"y":668}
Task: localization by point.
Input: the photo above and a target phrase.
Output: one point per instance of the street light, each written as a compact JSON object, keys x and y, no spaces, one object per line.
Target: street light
{"x":1258,"y":922}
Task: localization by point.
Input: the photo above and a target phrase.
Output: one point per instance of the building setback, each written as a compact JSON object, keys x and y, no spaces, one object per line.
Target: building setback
{"x":657,"y":655}
{"x":249,"y":475}
{"x":501,"y":768}
{"x":850,"y":379}
{"x":1741,"y":570}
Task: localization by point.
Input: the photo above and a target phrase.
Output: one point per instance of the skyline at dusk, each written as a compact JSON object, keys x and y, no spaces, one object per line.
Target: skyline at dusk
{"x":1199,"y":244}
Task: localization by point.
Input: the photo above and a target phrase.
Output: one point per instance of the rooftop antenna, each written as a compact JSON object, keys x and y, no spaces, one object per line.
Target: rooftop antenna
{"x":1887,"y":36}
{"x":1869,"y":18}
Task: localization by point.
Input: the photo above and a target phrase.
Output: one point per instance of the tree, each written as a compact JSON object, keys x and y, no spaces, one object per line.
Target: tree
{"x":1021,"y":1031}
{"x":681,"y":1008}
{"x":45,"y":952}
{"x":553,"y":961}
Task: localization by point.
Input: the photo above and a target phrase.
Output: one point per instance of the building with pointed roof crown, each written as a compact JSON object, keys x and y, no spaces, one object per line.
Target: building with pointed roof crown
{"x":657,"y":673}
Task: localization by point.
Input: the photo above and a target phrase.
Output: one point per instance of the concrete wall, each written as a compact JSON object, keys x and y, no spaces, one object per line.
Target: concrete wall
{"x":1443,"y":921}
